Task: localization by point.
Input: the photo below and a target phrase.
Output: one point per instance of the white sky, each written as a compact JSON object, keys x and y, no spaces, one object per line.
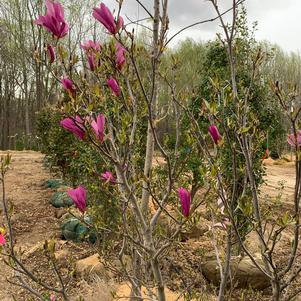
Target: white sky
{"x":279,"y":21}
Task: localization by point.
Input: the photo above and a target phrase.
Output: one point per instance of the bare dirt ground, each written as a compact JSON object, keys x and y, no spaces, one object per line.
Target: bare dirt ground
{"x":34,"y":218}
{"x":34,"y":221}
{"x":280,"y":172}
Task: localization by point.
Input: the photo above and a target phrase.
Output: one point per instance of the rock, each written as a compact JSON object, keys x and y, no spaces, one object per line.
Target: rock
{"x":33,"y":249}
{"x":59,"y":212}
{"x":91,"y":266}
{"x":28,"y":251}
{"x":245,"y":273}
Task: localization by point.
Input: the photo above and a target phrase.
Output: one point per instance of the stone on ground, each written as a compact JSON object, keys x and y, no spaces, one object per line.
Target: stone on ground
{"x":245,"y":274}
{"x":91,"y":266}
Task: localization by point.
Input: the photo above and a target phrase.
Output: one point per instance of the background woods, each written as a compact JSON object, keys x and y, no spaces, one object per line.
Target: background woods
{"x":26,"y":82}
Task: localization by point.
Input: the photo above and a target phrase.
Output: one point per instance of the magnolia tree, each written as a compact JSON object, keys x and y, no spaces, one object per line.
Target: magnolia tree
{"x":111,"y":103}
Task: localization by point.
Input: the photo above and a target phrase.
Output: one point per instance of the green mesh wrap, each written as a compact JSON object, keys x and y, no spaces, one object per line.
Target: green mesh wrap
{"x":75,"y":230}
{"x":61,"y":199}
{"x":53,"y":183}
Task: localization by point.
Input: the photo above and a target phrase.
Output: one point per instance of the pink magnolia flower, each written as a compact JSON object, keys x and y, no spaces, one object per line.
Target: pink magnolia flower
{"x":99,"y":126}
{"x":108,"y":176}
{"x":91,"y":45}
{"x":291,"y":139}
{"x":51,"y":53}
{"x":68,"y":86}
{"x":2,"y":240}
{"x":106,"y":18}
{"x":120,"y":58}
{"x":119,"y":23}
{"x":54,"y":20}
{"x":185,"y":199}
{"x":52,"y":297}
{"x":213,"y":130}
{"x":91,"y":61}
{"x":74,"y":125}
{"x":91,"y":48}
{"x":113,"y":84}
{"x":79,"y":197}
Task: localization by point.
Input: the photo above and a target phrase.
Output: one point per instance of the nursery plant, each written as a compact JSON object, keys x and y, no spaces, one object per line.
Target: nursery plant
{"x":128,"y":179}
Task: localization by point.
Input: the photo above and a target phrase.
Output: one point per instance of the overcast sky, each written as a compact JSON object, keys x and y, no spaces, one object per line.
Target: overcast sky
{"x":279,"y":21}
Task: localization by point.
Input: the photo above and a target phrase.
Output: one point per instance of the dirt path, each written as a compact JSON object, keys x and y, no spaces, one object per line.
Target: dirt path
{"x":279,"y":173}
{"x":33,"y":219}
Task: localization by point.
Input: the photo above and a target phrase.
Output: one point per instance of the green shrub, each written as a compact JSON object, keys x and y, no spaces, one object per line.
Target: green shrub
{"x":65,"y":154}
{"x":78,"y":163}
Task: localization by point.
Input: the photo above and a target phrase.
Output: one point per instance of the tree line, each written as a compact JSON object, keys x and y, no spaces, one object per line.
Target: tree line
{"x":27,"y":84}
